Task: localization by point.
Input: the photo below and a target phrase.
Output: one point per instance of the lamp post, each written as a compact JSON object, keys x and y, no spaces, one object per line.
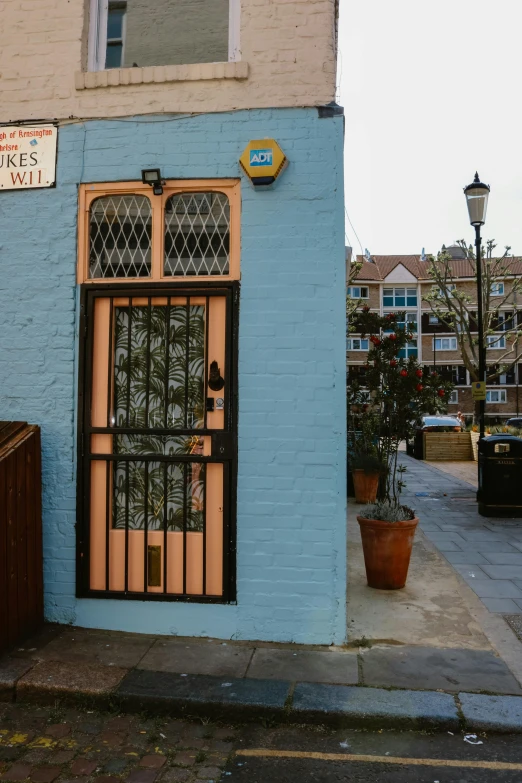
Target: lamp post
{"x":477,"y":200}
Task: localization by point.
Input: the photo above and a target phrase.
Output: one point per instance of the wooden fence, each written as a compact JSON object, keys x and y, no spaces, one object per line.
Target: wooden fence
{"x":21,"y":556}
{"x":446,"y":446}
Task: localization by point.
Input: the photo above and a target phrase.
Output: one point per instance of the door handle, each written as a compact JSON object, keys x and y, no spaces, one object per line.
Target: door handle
{"x":215,"y":381}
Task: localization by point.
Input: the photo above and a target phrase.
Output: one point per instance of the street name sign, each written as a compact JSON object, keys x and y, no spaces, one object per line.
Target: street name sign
{"x":27,"y":156}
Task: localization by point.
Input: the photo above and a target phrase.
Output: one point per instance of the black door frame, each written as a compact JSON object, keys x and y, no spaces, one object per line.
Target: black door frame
{"x":88,"y":294}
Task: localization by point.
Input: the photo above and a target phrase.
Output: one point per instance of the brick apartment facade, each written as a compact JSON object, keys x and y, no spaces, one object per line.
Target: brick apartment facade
{"x":397,"y":283}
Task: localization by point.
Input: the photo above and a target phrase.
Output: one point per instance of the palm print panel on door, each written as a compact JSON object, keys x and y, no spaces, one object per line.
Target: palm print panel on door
{"x":156,"y":497}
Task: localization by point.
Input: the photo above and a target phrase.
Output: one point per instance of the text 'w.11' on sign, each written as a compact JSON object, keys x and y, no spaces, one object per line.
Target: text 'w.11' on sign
{"x":27,"y":156}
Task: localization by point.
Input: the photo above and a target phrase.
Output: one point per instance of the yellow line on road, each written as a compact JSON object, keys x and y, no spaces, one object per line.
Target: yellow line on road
{"x":351,"y":757}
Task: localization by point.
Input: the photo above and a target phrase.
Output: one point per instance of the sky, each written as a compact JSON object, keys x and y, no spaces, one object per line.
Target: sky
{"x":432,"y":92}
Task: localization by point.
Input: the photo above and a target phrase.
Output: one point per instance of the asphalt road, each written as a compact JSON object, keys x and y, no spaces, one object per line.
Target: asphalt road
{"x":300,"y":755}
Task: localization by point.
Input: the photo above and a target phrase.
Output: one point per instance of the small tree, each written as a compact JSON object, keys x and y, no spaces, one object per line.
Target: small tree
{"x":456,"y":309}
{"x":401,"y":391}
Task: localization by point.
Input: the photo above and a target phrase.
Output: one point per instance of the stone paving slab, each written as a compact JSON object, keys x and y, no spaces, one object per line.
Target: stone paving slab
{"x":242,"y":698}
{"x":427,"y":668}
{"x":219,"y":659}
{"x":495,"y":588}
{"x":491,"y":713}
{"x":88,"y":646}
{"x":55,"y":679}
{"x":11,"y":669}
{"x":306,"y":666}
{"x":374,"y":707}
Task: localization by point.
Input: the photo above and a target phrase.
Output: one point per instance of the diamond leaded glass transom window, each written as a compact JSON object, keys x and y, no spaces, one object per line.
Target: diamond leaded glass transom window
{"x":120,"y":237}
{"x":191,"y":230}
{"x":197,"y":234}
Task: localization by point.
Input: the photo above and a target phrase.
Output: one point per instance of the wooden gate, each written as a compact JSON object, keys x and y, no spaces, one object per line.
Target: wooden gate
{"x":21,"y":571}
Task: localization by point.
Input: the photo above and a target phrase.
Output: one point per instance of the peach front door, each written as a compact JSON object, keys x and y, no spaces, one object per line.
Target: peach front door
{"x":158,"y":443}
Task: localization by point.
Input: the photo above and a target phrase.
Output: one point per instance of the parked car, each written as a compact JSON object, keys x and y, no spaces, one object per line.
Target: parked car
{"x":439,"y":424}
{"x":515,"y":422}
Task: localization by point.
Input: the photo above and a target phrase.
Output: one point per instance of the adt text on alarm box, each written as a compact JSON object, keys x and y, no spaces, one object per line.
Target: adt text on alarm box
{"x":261,"y":157}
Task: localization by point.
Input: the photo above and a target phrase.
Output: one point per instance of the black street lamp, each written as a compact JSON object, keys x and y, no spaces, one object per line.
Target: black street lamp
{"x":477,"y":199}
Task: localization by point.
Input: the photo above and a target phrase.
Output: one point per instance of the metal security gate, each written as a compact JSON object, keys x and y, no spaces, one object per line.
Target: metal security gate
{"x":157,"y":466}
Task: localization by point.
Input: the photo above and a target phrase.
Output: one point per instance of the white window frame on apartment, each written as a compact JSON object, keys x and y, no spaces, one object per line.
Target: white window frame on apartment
{"x":360,"y":340}
{"x":451,"y":340}
{"x":350,"y":292}
{"x":406,"y":289}
{"x":453,"y":398}
{"x":501,"y":393}
{"x":497,"y":289}
{"x":98,"y":15}
{"x":495,"y":342}
{"x":433,"y":319}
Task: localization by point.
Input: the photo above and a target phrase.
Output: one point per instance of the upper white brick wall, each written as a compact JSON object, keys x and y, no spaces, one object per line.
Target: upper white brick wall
{"x":287,"y":59}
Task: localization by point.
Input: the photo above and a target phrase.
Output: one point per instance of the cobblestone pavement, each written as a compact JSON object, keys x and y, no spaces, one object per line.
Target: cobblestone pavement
{"x":43,"y":745}
{"x":486,"y":551}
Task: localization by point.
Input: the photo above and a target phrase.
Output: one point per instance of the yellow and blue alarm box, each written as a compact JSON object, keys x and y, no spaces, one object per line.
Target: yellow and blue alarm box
{"x":263,"y":161}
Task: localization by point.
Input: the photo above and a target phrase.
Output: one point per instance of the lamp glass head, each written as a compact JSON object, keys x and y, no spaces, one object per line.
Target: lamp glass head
{"x":477,"y":200}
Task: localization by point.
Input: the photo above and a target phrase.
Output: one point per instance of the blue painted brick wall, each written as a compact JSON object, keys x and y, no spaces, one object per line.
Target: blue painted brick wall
{"x":291,"y":485}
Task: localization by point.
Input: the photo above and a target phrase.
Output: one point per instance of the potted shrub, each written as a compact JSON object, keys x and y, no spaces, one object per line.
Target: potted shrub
{"x":401,"y":392}
{"x":367,"y":470}
{"x":387,"y":532}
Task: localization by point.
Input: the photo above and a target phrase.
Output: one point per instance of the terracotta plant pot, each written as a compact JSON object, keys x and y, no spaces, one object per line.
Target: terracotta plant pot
{"x":387,"y":551}
{"x":366,"y":485}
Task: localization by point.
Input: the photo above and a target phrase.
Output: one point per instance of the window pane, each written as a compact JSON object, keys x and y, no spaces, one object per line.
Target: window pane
{"x":387,"y":301}
{"x":411,"y":301}
{"x":197,"y":234}
{"x":356,"y":292}
{"x":176,"y":32}
{"x":115,"y":23}
{"x":400,"y":301}
{"x":113,"y":58}
{"x":120,"y":237}
{"x":364,"y":293}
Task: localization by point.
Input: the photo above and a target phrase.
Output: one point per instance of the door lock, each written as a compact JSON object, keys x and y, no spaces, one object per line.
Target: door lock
{"x":223,"y":445}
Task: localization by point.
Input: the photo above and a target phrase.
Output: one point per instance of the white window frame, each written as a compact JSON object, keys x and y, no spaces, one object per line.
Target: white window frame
{"x":498,"y":340}
{"x":404,"y":288}
{"x":452,"y":340}
{"x":502,"y":396}
{"x":454,"y":398}
{"x":350,"y":340}
{"x":97,"y":48}
{"x":433,"y":319}
{"x":361,"y":288}
{"x":494,"y":287}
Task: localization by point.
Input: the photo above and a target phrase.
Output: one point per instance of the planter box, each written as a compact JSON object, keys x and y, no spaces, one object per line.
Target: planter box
{"x":447,"y":446}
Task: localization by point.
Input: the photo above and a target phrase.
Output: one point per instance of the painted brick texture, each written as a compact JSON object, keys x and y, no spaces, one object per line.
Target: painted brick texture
{"x":291,"y":483}
{"x":289,"y":47}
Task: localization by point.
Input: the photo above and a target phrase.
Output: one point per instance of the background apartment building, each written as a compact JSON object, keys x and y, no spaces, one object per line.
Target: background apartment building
{"x":401,"y":283}
{"x":179,"y":338}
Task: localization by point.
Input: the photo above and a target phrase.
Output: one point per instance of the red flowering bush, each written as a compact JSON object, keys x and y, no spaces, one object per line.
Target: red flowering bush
{"x":401,"y":391}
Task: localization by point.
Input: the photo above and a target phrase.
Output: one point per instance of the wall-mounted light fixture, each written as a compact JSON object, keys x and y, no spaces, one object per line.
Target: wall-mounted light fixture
{"x":153,"y":177}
